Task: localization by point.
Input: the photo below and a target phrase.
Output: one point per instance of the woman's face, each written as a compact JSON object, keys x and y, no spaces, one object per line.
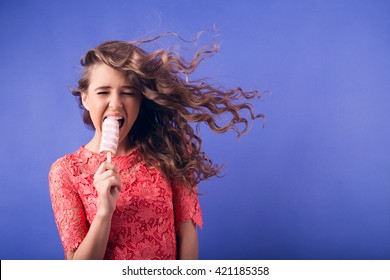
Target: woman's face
{"x":110,"y":93}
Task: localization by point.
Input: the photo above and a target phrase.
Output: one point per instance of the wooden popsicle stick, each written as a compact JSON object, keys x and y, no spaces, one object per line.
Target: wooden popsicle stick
{"x":108,"y":157}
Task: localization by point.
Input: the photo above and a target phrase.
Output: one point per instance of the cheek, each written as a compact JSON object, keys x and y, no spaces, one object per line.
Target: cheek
{"x":134,"y":109}
{"x":96,"y":111}
{"x":97,"y":106}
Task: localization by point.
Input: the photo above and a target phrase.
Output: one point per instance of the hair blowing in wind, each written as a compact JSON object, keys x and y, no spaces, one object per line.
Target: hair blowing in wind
{"x":171,"y":102}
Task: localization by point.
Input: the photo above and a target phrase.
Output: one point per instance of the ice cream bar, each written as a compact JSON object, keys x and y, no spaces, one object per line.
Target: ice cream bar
{"x":110,"y":136}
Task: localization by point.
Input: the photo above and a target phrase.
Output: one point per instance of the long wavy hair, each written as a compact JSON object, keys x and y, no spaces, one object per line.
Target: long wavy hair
{"x":170,"y":103}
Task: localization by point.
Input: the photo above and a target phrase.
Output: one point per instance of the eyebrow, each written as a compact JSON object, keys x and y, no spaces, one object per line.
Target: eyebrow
{"x":108,"y":87}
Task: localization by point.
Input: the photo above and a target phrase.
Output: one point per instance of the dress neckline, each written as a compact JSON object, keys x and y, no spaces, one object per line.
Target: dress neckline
{"x":84,"y":149}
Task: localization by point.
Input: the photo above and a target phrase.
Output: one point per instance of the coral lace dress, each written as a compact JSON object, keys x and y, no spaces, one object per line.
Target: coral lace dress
{"x":148,"y":212}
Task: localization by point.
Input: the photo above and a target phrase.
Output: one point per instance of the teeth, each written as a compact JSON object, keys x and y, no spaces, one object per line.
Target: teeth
{"x":115,"y":117}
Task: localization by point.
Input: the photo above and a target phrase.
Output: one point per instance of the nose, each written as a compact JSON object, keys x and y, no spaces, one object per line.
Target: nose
{"x":115,"y":100}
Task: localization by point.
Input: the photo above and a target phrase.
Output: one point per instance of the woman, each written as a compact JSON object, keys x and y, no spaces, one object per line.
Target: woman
{"x":143,"y":205}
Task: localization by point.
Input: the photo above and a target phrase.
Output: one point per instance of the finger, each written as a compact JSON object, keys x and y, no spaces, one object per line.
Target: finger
{"x":107,"y":174}
{"x":100,"y":169}
{"x":117,"y":184}
{"x":120,"y":187}
{"x":110,"y":166}
{"x":105,"y":166}
{"x":109,"y":183}
{"x":114,"y":191}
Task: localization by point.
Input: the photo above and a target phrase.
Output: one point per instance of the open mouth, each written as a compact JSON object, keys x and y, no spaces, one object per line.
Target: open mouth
{"x":120,"y":120}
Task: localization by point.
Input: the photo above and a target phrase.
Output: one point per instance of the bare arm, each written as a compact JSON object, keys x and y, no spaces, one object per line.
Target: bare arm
{"x":93,"y":247}
{"x":107,"y":183}
{"x":188,"y":241}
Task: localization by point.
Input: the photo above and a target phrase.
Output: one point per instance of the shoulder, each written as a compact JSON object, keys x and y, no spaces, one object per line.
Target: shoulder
{"x":63,"y":167}
{"x":60,"y":165}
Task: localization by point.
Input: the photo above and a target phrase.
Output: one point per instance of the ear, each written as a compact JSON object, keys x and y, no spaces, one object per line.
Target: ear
{"x":84,"y":100}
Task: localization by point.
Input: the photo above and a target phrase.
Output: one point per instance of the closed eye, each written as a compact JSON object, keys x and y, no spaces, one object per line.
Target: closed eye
{"x":102,"y":92}
{"x":131,"y":93}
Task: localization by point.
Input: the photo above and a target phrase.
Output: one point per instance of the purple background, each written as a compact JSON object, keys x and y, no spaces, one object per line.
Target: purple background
{"x":312,"y":184}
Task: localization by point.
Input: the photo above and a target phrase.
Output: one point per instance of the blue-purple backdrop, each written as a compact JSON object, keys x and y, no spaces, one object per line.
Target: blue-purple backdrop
{"x":312,"y":184}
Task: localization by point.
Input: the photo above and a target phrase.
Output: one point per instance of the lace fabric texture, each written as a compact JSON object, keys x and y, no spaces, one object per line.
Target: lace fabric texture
{"x":148,"y":211}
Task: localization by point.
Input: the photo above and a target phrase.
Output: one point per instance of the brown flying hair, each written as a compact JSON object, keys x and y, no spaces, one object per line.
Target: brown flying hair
{"x":170,"y":103}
